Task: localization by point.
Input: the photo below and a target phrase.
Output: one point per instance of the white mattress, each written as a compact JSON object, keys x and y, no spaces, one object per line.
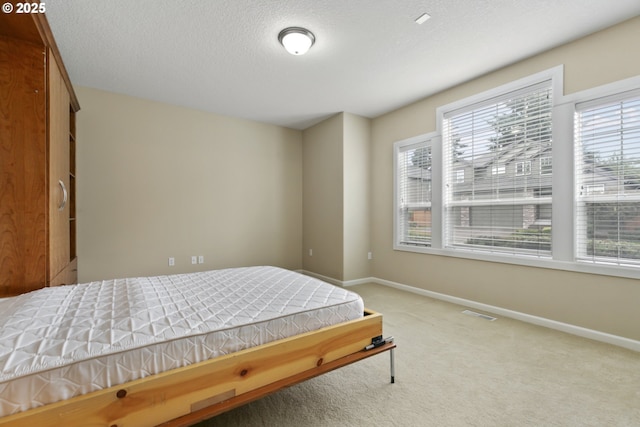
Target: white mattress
{"x":56,"y":343}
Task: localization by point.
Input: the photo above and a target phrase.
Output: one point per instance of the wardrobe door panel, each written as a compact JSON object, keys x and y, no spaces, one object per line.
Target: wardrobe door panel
{"x":59,"y":182}
{"x":23,"y":156}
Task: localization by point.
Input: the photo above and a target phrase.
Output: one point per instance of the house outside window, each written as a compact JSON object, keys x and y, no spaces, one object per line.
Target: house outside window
{"x":413,"y":165}
{"x":608,"y":180}
{"x":497,"y":209}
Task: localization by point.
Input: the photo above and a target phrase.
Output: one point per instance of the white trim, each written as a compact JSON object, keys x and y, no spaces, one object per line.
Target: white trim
{"x":336,"y":281}
{"x":507,"y":202}
{"x":437,"y":189}
{"x":528,"y":318}
{"x":603,"y":91}
{"x":525,"y":168}
{"x":578,"y":102}
{"x":604,"y":101}
{"x":359,"y":281}
{"x":425,"y":140}
{"x":548,"y":79}
{"x":564,"y":233}
{"x":523,"y":260}
{"x":553,"y":74}
{"x":562,"y":182}
{"x":325,"y":278}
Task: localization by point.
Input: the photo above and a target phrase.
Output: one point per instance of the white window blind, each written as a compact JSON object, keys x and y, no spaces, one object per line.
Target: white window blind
{"x":413,"y":192}
{"x":503,"y":144}
{"x":607,"y":133}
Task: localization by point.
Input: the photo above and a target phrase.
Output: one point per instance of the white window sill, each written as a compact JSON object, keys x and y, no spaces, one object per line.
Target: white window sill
{"x":578,"y":267}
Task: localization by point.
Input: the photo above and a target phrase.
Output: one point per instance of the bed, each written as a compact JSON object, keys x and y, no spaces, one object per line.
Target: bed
{"x":173,"y":350}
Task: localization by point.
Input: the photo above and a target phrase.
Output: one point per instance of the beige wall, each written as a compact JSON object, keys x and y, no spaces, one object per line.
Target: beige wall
{"x":336,"y":197}
{"x":156,"y":180}
{"x":603,"y":303}
{"x":323,"y":197}
{"x":357,"y":193}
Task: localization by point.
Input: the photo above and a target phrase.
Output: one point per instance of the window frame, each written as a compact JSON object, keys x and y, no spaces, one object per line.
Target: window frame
{"x":595,"y":194}
{"x":561,"y":171}
{"x":499,"y":169}
{"x":525,"y":169}
{"x":432,"y":141}
{"x":546,"y":169}
{"x":489,"y":100}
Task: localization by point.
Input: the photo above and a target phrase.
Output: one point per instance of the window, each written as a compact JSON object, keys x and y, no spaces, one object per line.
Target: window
{"x":497,"y":209}
{"x":607,"y":133}
{"x":546,"y":166}
{"x":484,"y":185}
{"x":523,"y":168}
{"x":498,"y":169}
{"x":413,"y":163}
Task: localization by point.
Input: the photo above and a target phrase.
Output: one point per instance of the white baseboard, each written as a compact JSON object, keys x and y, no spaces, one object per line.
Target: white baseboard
{"x":360,"y":281}
{"x":528,"y":318}
{"x":321,"y":277}
{"x":541,"y":321}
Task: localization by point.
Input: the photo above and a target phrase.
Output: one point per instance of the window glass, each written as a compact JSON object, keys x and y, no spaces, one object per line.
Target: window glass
{"x":414,"y":190}
{"x":608,"y":177}
{"x":499,"y":207}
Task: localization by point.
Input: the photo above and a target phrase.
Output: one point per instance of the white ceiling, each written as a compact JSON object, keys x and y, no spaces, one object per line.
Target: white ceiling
{"x":370,"y":57}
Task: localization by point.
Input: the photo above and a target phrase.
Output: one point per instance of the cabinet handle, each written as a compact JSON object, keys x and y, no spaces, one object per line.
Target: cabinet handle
{"x":65,"y":195}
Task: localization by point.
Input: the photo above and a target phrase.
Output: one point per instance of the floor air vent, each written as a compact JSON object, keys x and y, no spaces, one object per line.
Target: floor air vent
{"x":482,"y":316}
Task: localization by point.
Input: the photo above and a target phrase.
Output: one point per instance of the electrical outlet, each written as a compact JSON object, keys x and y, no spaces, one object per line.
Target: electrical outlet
{"x":201,"y":259}
{"x":172,"y":261}
{"x":194,"y":259}
{"x":310,"y":252}
{"x":370,"y":255}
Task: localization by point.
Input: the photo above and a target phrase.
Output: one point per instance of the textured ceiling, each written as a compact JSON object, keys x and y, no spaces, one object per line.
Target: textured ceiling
{"x":370,"y":57}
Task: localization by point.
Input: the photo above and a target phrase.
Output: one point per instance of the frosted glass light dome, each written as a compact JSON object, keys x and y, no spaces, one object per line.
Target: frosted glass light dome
{"x":296,"y":40}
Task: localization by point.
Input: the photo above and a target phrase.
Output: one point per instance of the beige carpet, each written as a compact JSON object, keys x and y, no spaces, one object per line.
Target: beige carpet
{"x":457,"y":370}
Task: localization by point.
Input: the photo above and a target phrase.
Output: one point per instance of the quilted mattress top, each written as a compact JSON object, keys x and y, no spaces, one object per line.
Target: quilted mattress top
{"x":54,"y":327}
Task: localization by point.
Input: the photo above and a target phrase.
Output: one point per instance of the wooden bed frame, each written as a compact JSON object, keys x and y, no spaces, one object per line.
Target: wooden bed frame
{"x":187,"y":395}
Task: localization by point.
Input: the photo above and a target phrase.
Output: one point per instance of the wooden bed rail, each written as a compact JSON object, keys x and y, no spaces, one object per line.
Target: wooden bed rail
{"x":192,"y":393}
{"x":237,"y":401}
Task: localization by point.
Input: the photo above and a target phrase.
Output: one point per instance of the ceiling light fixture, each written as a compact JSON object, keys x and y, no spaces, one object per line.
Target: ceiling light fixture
{"x":296,"y":40}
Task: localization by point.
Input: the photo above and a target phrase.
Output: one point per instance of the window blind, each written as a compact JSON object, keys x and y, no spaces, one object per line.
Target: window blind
{"x":607,"y":133}
{"x":497,"y":160}
{"x":414,"y":173}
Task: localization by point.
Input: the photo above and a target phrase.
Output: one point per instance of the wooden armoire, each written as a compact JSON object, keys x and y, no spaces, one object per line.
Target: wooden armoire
{"x":37,"y":158}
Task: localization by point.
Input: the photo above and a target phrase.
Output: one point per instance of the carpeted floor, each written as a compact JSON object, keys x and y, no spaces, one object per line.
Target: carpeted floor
{"x":458,"y":370}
